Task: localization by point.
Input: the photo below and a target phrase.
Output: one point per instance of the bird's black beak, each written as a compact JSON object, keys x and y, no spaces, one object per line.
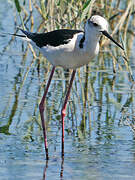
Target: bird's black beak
{"x":108,"y":35}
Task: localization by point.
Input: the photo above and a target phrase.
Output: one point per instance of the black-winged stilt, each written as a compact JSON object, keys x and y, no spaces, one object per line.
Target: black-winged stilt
{"x":69,"y":49}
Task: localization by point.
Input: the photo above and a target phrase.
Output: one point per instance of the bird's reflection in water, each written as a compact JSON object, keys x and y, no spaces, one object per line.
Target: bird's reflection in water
{"x":61,"y":170}
{"x":45,"y":170}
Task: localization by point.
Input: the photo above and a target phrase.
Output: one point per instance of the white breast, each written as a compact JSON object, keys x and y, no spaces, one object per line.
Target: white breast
{"x":69,"y":55}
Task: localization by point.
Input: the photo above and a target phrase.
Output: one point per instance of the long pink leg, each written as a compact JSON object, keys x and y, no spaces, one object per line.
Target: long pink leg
{"x":63,"y":111}
{"x":41,"y":109}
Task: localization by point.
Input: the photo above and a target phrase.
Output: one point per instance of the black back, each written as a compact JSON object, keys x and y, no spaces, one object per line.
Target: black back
{"x":53,"y":38}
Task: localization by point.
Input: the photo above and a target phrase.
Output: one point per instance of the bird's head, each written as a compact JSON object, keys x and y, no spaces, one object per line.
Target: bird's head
{"x":99,"y":26}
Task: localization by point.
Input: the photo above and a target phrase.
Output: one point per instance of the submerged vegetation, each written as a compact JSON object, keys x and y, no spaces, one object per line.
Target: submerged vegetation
{"x":103,"y":90}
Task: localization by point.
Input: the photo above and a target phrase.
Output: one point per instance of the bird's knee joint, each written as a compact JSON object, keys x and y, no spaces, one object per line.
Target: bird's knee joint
{"x":41,"y":107}
{"x":63,"y":112}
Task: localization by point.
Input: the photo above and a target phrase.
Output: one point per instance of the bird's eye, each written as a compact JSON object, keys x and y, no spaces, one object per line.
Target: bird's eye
{"x":95,"y":24}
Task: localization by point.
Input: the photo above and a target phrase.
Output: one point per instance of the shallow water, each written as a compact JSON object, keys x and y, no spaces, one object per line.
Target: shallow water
{"x":99,"y":141}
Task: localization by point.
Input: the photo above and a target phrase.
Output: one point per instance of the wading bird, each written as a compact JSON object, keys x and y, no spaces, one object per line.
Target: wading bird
{"x":69,"y":49}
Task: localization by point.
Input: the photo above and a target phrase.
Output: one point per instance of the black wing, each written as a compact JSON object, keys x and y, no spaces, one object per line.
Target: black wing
{"x":53,"y":38}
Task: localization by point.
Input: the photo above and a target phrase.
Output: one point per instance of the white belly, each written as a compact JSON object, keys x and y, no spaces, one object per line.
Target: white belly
{"x":67,"y":59}
{"x":70,"y":56}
